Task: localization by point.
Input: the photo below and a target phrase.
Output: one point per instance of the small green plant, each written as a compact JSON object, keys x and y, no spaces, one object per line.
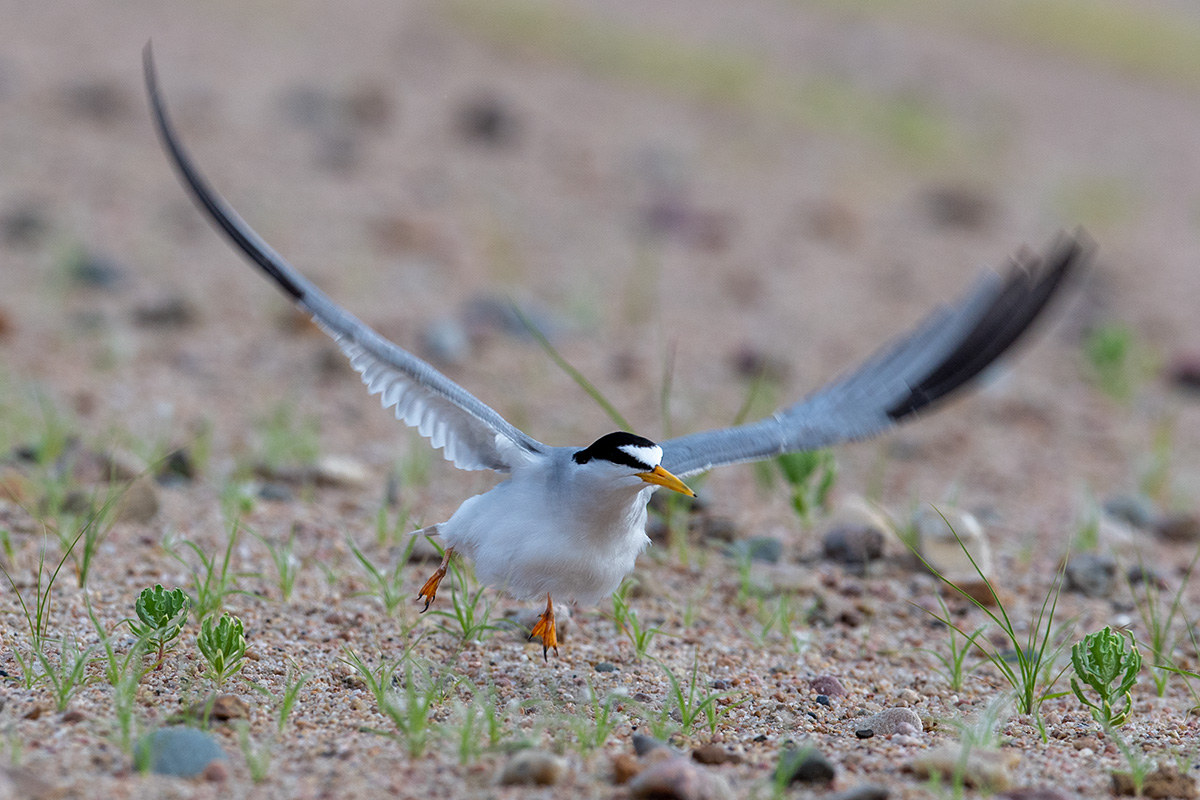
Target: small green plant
{"x":691,"y":702}
{"x":1159,"y":622}
{"x":1031,"y":655}
{"x":293,"y":683}
{"x":810,"y":476}
{"x":69,"y":672}
{"x":388,"y":586}
{"x":212,"y":582}
{"x":1103,"y":662}
{"x":1110,"y":351}
{"x":410,"y":712}
{"x":123,"y":674}
{"x":258,"y":756}
{"x":287,"y":442}
{"x":283,"y":558}
{"x":223,"y":645}
{"x":37,"y":613}
{"x":627,"y":622}
{"x":592,"y":731}
{"x":953,"y":662}
{"x":472,"y":610}
{"x":160,"y":618}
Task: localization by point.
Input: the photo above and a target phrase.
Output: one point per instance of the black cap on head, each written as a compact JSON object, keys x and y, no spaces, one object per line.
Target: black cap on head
{"x":626,"y":449}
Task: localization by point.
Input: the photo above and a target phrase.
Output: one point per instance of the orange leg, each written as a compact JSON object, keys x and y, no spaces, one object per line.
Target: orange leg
{"x":545,"y":630}
{"x":429,"y":590}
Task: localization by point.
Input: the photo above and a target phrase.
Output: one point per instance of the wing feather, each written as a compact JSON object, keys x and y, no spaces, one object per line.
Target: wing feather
{"x":942,"y":354}
{"x":470,"y":433}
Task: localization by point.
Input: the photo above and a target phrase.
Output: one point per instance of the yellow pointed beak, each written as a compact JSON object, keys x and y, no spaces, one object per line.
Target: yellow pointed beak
{"x":660,"y":477}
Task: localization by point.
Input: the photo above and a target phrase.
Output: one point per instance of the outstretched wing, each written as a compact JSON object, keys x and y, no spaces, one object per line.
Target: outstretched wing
{"x":943,"y":353}
{"x":471,"y":434}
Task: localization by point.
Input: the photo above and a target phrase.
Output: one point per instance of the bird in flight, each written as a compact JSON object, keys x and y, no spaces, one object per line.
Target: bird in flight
{"x":570,"y":521}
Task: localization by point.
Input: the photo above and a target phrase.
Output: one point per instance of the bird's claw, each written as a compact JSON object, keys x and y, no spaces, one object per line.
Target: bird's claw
{"x":546,"y":630}
{"x":429,"y":590}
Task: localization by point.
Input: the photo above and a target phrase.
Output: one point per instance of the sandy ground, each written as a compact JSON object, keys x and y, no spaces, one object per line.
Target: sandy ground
{"x":698,"y":185}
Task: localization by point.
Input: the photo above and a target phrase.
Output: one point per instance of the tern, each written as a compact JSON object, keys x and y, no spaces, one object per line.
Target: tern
{"x":570,"y":521}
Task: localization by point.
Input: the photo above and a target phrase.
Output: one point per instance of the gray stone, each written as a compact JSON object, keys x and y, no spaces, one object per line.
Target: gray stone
{"x":936,"y":541}
{"x":757,"y":548}
{"x":1133,"y":509}
{"x":889,"y":720}
{"x":864,"y":791}
{"x":643,"y":744}
{"x":183,"y":752}
{"x":805,"y":765}
{"x":1091,"y":574}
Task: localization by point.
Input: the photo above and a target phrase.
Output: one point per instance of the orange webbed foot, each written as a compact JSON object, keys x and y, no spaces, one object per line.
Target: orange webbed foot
{"x":429,"y":590}
{"x":546,"y":631}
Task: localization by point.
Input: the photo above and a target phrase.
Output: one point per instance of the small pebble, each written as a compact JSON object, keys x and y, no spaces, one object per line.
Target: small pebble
{"x":222,"y":708}
{"x":864,"y":733}
{"x":936,"y":529}
{"x":807,"y":765}
{"x":864,"y":791}
{"x":1184,"y":372}
{"x":678,"y":779}
{"x":956,"y":206}
{"x":1164,"y":782}
{"x":984,"y":769}
{"x":1181,"y":527}
{"x":1136,"y":510}
{"x":767,"y":549}
{"x":715,"y":754}
{"x":624,"y":767}
{"x":827,"y":685}
{"x":1035,"y":793}
{"x":533,"y":768}
{"x":1091,"y":574}
{"x":605,"y":666}
{"x":167,"y":312}
{"x":643,"y":744}
{"x":487,"y":119}
{"x":183,"y":752}
{"x":275,"y":493}
{"x":823,"y":700}
{"x":96,"y":272}
{"x":885,"y":722}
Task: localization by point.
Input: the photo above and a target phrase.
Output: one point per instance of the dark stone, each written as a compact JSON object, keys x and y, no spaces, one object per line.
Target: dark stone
{"x":864,"y":733}
{"x":23,"y":226}
{"x":486,"y":119}
{"x":167,"y":312}
{"x":275,"y":492}
{"x":1181,"y":527}
{"x":1136,"y":510}
{"x":643,"y":744}
{"x":97,"y":100}
{"x":757,"y":548}
{"x":605,"y":666}
{"x":853,"y":544}
{"x":807,"y":765}
{"x":1091,"y":574}
{"x":96,"y":271}
{"x":864,"y":791}
{"x":959,"y":207}
{"x":823,"y":700}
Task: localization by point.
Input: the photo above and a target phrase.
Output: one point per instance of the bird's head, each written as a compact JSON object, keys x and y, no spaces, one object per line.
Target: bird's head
{"x":628,"y":455}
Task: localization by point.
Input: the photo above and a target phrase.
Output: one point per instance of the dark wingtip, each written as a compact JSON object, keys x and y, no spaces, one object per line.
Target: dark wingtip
{"x":1028,"y":289}
{"x":205,"y":197}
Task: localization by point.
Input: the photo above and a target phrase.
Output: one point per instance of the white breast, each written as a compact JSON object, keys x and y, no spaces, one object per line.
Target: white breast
{"x":540,"y":533}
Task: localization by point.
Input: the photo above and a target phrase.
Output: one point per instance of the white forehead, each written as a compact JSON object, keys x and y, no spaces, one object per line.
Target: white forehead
{"x":650,"y":456}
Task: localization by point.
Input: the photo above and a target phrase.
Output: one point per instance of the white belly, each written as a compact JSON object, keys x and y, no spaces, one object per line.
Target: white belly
{"x":531,"y":546}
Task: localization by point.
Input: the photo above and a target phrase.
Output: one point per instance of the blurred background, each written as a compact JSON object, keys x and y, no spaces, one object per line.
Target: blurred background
{"x":707,"y":206}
